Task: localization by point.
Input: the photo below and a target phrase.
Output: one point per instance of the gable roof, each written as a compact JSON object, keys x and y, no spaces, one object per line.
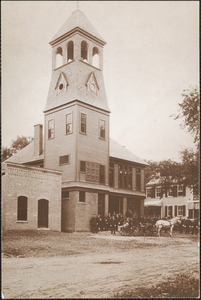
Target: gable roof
{"x":121,"y":152}
{"x":77,"y":19}
{"x":25,"y":155}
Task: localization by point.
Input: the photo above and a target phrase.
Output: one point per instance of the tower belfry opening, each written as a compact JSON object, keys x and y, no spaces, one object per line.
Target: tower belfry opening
{"x":59,"y":57}
{"x":95,"y":57}
{"x":84,"y":51}
{"x":70,"y":51}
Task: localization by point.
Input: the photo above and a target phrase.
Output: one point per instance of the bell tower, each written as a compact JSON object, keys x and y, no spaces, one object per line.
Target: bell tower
{"x":76,"y":139}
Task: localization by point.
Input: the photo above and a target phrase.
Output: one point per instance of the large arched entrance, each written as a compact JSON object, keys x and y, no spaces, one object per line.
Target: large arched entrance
{"x":43,"y":211}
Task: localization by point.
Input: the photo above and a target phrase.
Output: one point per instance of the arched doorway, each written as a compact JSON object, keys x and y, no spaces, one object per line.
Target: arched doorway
{"x":43,"y":211}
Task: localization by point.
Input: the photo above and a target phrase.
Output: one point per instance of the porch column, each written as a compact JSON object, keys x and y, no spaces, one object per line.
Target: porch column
{"x":106,"y":204}
{"x":116,"y":175}
{"x":124,"y":205}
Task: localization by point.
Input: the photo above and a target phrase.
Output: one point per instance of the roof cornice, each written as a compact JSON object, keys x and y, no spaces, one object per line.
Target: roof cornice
{"x":77,"y":30}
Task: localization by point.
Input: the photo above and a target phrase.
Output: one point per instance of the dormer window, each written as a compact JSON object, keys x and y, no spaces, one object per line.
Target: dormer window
{"x":95,"y":58}
{"x":59,"y":57}
{"x":84,"y":51}
{"x":70,"y":52}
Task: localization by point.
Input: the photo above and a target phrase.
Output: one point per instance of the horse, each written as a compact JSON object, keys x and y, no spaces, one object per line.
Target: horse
{"x":167,"y":224}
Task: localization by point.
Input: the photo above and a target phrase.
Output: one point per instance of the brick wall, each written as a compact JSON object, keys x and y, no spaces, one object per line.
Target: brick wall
{"x":35,"y":184}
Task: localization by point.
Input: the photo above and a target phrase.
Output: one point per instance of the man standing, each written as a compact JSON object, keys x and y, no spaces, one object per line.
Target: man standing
{"x":93,"y":224}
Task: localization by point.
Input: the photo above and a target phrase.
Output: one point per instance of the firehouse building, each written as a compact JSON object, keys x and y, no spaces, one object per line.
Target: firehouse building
{"x":72,"y":169}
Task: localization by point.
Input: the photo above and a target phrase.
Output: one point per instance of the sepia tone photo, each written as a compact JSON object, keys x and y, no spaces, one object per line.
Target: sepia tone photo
{"x":100,"y":150}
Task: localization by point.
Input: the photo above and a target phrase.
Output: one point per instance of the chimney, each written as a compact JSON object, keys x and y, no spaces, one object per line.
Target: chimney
{"x":38,"y":139}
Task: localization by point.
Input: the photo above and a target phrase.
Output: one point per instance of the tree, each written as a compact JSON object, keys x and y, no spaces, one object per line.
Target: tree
{"x":167,"y":170}
{"x":19,"y":143}
{"x":190,"y":165}
{"x":190,"y":112}
{"x":6,"y":153}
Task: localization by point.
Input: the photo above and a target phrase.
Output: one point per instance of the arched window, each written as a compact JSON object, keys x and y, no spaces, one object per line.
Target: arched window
{"x":84,"y":51}
{"x":70,"y":51}
{"x":59,"y":58}
{"x":22,"y":208}
{"x":95,"y":58}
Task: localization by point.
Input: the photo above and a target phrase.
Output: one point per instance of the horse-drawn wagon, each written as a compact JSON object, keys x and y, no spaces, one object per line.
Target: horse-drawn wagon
{"x":138,"y":228}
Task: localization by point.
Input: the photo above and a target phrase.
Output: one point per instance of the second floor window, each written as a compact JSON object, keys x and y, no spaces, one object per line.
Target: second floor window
{"x":138,"y":179}
{"x":82,"y":166}
{"x":170,"y":192}
{"x":102,"y":129}
{"x":181,"y":190}
{"x":83,"y":123}
{"x":148,"y":193}
{"x":102,"y":174}
{"x":69,"y":123}
{"x":125,"y":177}
{"x":111,"y":174}
{"x":50,"y":129}
{"x":158,"y":192}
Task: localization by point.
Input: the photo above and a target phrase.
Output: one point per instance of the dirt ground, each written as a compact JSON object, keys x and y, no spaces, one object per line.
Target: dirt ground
{"x":82,"y":265}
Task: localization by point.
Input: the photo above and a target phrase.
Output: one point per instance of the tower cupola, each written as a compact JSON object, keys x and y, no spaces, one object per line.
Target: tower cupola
{"x":77,"y":64}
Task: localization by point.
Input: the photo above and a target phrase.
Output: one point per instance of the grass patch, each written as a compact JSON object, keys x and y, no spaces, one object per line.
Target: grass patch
{"x":180,"y":286}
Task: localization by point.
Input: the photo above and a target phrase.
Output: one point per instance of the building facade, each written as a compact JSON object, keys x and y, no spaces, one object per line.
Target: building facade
{"x":98,"y":176}
{"x":175,"y":200}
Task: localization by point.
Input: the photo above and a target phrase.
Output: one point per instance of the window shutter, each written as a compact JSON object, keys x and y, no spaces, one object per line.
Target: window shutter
{"x":175,"y":210}
{"x":165,"y":211}
{"x":174,"y":191}
{"x":184,"y":192}
{"x":184,"y":210}
{"x":134,"y":178}
{"x":142,"y":180}
{"x":153,"y":192}
{"x":170,"y":211}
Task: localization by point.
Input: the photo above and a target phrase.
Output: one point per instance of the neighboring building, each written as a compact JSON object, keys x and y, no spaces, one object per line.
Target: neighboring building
{"x":98,"y":175}
{"x":176,"y":200}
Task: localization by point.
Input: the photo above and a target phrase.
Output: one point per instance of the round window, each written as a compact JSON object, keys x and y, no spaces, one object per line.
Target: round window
{"x":61,"y":86}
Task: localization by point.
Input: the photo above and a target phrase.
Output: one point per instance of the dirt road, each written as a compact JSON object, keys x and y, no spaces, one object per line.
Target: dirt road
{"x":94,"y":275}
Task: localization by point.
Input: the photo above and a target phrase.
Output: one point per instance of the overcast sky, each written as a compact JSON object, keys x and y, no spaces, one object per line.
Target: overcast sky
{"x":151,"y":55}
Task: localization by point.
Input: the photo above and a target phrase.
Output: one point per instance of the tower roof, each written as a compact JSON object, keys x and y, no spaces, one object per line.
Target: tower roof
{"x":77,"y":20}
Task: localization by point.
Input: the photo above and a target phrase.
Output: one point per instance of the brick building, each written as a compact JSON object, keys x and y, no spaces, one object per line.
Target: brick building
{"x":97,"y":174}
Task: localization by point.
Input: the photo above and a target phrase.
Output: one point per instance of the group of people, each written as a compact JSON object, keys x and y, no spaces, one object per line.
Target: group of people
{"x":116,"y":221}
{"x":110,"y":222}
{"x":188,"y":226}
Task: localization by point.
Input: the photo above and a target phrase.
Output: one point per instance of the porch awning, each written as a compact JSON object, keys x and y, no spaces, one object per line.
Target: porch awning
{"x":153,"y":203}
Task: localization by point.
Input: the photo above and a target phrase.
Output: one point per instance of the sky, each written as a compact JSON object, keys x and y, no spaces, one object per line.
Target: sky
{"x":151,"y":56}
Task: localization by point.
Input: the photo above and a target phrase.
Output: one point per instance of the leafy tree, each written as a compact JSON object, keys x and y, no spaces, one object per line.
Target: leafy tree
{"x":6,"y":153}
{"x":190,"y":166}
{"x":151,"y":170}
{"x":190,"y":112}
{"x":167,"y":170}
{"x":19,"y":143}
